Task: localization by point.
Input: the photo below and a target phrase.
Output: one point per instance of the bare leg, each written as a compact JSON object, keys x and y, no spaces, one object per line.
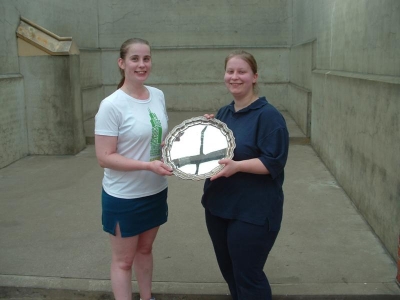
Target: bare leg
{"x":123,"y":253}
{"x":143,"y":262}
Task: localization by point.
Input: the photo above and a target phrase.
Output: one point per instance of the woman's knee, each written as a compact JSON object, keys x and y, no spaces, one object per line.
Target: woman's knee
{"x":124,"y":263}
{"x":146,"y":240}
{"x":145,"y":249}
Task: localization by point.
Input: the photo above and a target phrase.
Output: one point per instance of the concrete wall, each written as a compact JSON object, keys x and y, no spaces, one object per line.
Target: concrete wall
{"x":91,"y":75}
{"x":190,"y":40}
{"x":346,"y":58}
{"x":64,"y":18}
{"x":13,"y":135}
{"x":192,"y":79}
{"x":54,"y":122}
{"x":298,"y":103}
{"x":182,"y":34}
{"x":193,"y":23}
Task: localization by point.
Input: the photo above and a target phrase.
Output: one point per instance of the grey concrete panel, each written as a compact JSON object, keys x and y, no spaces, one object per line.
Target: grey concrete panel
{"x":109,"y":89}
{"x":192,"y":97}
{"x":91,"y":99}
{"x":210,"y":97}
{"x":109,"y":67}
{"x":91,"y":69}
{"x":303,"y":16}
{"x":196,"y":23}
{"x":355,"y":40}
{"x":358,"y":36}
{"x":301,"y":65}
{"x":53,"y":104}
{"x":183,"y":66}
{"x":207,"y":65}
{"x":76,"y":113}
{"x":193,"y":66}
{"x":13,"y":136}
{"x":9,"y":17}
{"x":276,"y":94}
{"x":299,"y":107}
{"x":73,"y":18}
{"x":355,"y":129}
{"x":192,"y":79}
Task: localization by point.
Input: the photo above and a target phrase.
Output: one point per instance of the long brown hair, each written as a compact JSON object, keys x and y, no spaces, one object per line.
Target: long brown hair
{"x":122,"y":54}
{"x":249,"y":58}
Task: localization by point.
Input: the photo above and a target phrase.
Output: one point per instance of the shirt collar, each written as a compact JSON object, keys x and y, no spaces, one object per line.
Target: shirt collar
{"x":260,"y":102}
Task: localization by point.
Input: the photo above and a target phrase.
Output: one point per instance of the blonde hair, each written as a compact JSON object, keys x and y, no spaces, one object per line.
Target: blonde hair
{"x":247,"y":57}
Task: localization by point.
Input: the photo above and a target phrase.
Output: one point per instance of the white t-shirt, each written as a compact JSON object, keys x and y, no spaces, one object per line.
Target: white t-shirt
{"x":141,"y":126}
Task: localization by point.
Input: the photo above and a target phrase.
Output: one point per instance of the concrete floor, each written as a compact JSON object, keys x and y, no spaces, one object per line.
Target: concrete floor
{"x":51,"y":236}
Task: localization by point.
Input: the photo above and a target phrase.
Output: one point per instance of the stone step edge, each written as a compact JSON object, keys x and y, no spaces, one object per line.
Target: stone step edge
{"x":292,"y":140}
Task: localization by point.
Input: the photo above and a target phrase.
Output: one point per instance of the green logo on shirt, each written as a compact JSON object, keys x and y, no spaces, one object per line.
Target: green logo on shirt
{"x":156,"y":136}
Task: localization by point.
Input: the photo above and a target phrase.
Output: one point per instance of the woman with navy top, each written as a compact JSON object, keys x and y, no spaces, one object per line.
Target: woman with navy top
{"x":244,"y":201}
{"x":129,"y":128}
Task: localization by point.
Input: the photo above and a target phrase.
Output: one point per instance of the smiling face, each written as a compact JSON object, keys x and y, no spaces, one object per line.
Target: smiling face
{"x":239,"y":78}
{"x":136,"y":64}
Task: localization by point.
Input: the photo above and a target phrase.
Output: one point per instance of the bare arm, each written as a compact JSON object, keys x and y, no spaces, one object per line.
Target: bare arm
{"x":254,"y":166}
{"x":231,"y":167}
{"x":106,"y":147}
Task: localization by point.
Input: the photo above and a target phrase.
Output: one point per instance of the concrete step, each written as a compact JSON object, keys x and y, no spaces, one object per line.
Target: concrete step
{"x":12,"y":293}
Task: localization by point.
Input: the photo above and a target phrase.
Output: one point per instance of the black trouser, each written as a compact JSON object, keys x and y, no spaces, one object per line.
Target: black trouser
{"x":242,"y":249}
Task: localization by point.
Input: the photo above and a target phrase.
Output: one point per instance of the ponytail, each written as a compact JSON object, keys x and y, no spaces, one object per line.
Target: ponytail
{"x":121,"y":83}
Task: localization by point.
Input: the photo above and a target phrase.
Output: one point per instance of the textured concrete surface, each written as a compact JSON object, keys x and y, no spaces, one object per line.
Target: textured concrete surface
{"x":52,"y":245}
{"x":354,"y":108}
{"x":54,"y":113}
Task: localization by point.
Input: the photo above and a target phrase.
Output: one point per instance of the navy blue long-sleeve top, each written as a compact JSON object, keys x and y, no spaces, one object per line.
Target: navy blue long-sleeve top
{"x":260,"y":132}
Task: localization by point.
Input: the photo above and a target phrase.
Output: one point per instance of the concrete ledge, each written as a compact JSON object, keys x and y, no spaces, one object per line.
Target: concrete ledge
{"x":299,"y":141}
{"x":41,"y":38}
{"x":64,"y":294}
{"x":10,"y":76}
{"x":91,"y":87}
{"x":198,"y":290}
{"x":371,"y":77}
{"x":296,"y":135}
{"x":198,"y":47}
{"x":292,"y":140}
